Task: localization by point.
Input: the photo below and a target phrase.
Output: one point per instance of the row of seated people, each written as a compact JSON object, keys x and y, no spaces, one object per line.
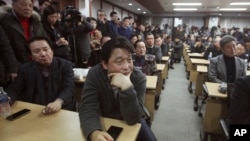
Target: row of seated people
{"x":228,"y":65}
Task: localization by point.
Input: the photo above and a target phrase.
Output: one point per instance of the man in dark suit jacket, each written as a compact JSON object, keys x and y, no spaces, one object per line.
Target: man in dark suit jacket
{"x":20,"y":23}
{"x":226,"y":67}
{"x":152,"y":49}
{"x":46,"y":80}
{"x":239,"y":111}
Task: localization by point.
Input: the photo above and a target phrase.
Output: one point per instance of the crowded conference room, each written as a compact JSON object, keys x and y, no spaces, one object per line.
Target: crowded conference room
{"x":124,"y":70}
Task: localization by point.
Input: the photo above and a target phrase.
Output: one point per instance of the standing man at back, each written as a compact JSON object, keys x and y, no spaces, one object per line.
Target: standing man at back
{"x":20,"y":24}
{"x":152,"y":49}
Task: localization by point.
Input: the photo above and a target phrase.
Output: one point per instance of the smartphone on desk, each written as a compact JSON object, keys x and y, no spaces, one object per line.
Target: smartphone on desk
{"x":114,"y":132}
{"x":18,"y":114}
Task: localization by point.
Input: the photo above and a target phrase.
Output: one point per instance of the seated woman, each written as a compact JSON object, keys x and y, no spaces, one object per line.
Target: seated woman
{"x":145,"y":62}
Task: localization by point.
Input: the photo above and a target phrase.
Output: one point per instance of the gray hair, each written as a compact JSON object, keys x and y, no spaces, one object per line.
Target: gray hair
{"x":226,"y":39}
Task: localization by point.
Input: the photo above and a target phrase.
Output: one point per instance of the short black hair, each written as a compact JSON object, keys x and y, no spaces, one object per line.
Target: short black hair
{"x":112,"y":13}
{"x":2,"y":3}
{"x":125,"y":18}
{"x":111,"y":45}
{"x":38,"y":38}
{"x":49,"y":10}
{"x":43,"y":1}
{"x":89,"y":19}
{"x":226,"y":39}
{"x":138,"y":41}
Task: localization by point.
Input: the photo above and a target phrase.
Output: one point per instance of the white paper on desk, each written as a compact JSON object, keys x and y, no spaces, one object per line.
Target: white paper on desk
{"x":80,"y":73}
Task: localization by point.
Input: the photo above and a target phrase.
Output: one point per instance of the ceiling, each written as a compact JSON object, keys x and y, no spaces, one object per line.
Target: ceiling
{"x":165,"y":7}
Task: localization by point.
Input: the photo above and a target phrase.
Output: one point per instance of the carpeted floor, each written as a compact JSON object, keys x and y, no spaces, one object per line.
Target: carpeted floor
{"x":175,"y":119}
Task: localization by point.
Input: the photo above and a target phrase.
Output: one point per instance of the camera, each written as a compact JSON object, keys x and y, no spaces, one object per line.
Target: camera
{"x":71,"y":16}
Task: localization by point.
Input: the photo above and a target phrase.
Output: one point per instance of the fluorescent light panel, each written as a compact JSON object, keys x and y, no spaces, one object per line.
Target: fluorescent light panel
{"x":233,"y":9}
{"x":130,"y":4}
{"x":185,"y":9}
{"x":240,"y":3}
{"x":186,"y":4}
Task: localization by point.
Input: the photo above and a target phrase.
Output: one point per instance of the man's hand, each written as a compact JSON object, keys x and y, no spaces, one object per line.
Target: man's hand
{"x":62,"y":41}
{"x":100,"y":136}
{"x":11,"y":76}
{"x":120,"y":80}
{"x":53,"y":107}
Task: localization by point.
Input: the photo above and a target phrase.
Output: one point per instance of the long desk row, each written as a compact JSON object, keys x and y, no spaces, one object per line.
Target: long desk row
{"x":61,"y":126}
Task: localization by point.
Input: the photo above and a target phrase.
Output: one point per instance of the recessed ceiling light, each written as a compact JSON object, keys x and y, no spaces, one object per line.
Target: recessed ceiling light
{"x":130,"y":4}
{"x":185,"y":9}
{"x":240,"y":3}
{"x":138,"y":9}
{"x":187,"y":4}
{"x":233,"y":9}
{"x":144,"y":12}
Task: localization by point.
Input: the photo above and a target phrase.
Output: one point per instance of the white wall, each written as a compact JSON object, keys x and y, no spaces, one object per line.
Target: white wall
{"x":229,"y":22}
{"x":84,"y":7}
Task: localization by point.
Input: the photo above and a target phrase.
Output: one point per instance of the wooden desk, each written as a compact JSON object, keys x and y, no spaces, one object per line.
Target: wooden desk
{"x":150,"y":94}
{"x":165,"y":60}
{"x":78,"y":89}
{"x":213,"y":90}
{"x":195,"y":55}
{"x":200,"y":80}
{"x":195,"y":62}
{"x":162,"y":77}
{"x":61,"y":126}
{"x":216,"y":107}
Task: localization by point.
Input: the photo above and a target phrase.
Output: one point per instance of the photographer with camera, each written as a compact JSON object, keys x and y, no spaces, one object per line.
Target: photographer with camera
{"x":53,"y":30}
{"x":77,"y":29}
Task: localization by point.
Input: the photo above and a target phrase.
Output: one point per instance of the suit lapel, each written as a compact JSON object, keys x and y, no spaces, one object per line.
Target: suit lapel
{"x":222,"y":65}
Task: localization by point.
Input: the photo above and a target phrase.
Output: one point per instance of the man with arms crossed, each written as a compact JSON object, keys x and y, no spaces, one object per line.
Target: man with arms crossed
{"x":114,"y":89}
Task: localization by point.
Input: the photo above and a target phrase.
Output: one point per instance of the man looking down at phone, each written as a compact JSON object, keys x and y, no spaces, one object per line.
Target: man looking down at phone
{"x":114,"y":89}
{"x":46,"y":80}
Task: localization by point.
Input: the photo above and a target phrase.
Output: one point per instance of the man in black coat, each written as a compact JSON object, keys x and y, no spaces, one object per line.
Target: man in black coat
{"x":46,"y":80}
{"x":151,"y":48}
{"x":20,"y":23}
{"x":239,"y":112}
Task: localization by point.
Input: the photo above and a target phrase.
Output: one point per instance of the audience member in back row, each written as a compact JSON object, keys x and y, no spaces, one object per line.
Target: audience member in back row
{"x":198,"y":47}
{"x":177,"y":47}
{"x":46,"y":80}
{"x":20,"y":23}
{"x":226,"y":67}
{"x":213,"y":48}
{"x":42,"y":5}
{"x":239,"y":110}
{"x":116,"y":90}
{"x":161,"y":44}
{"x":124,"y":30}
{"x":151,"y":48}
{"x":145,"y":62}
{"x":103,"y":24}
{"x":51,"y":26}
